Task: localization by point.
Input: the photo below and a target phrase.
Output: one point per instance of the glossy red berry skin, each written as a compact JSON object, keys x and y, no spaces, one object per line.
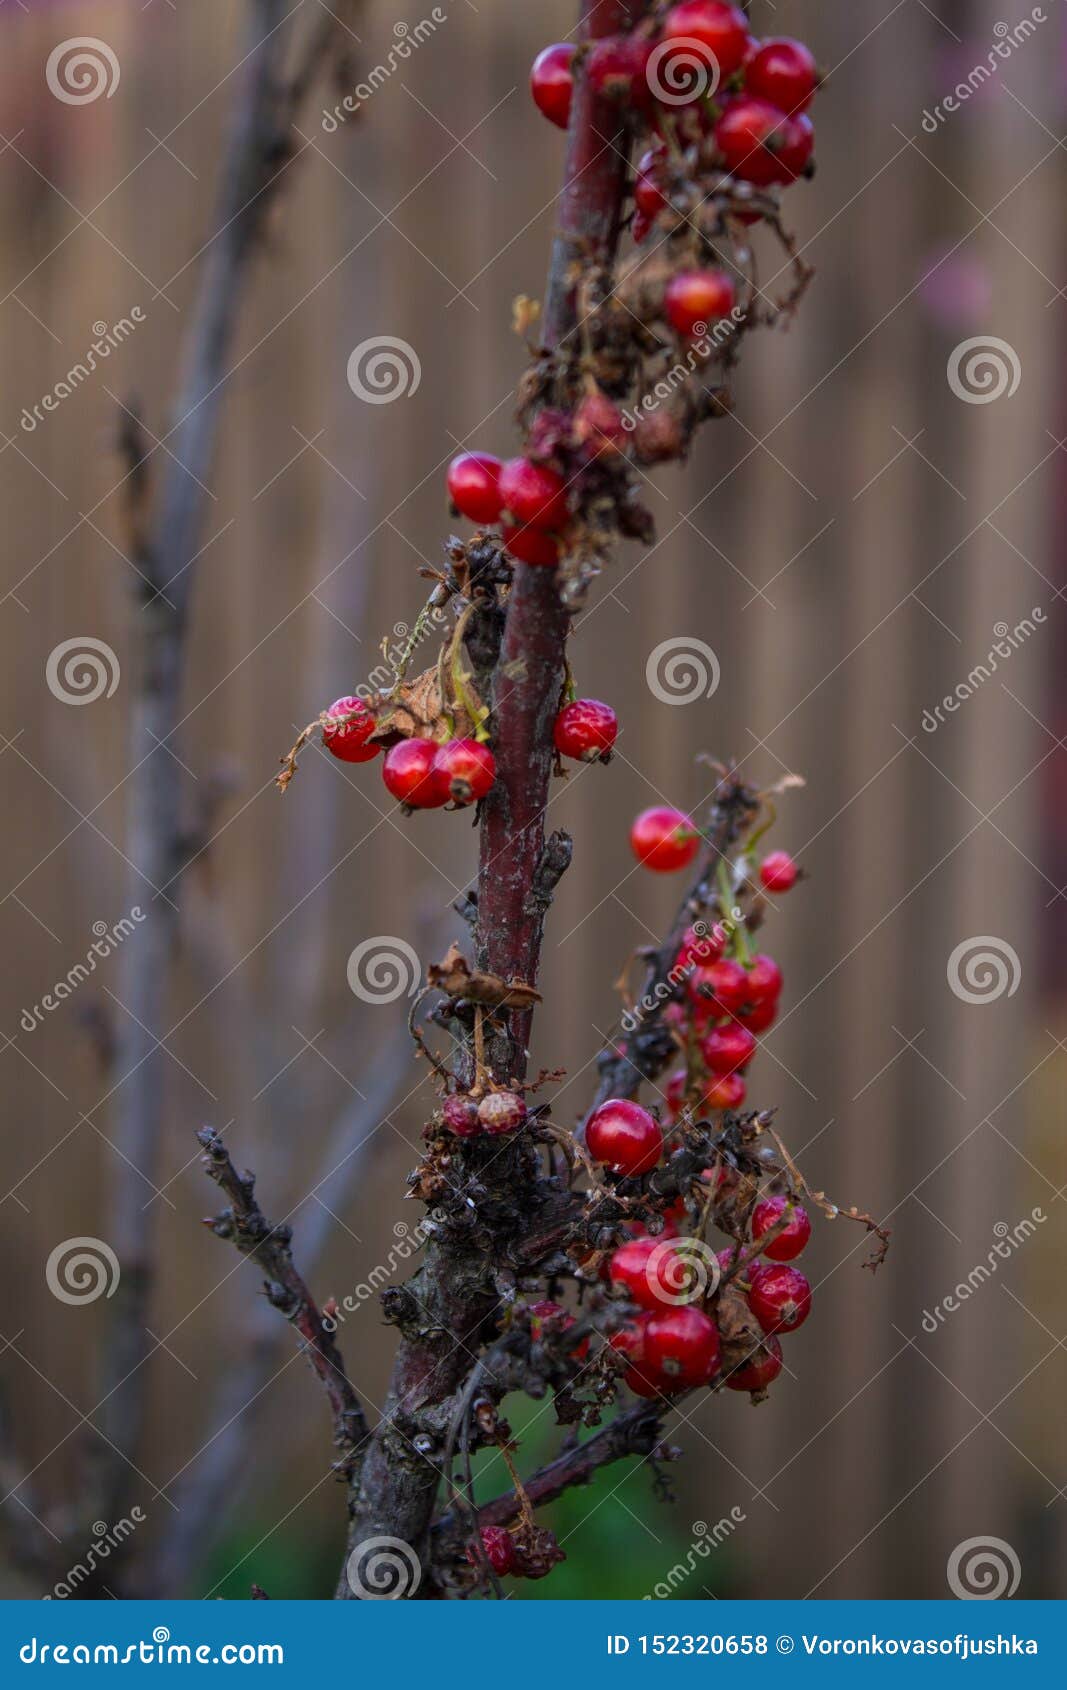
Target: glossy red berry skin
{"x":467,"y":768}
{"x":780,"y":1298}
{"x":649,"y":197}
{"x":760,"y":1016}
{"x":664,"y":839}
{"x":617,"y":69}
{"x":624,"y":1136}
{"x":641,"y":226}
{"x":348,"y":740}
{"x":532,"y":545}
{"x":747,"y":136}
{"x":723,"y":985}
{"x":784,"y":72}
{"x":533,"y":494}
{"x":778,"y":872}
{"x":759,"y":1371}
{"x":796,"y":146}
{"x":700,"y":947}
{"x":461,"y":1116}
{"x":501,"y":1112}
{"x":792,"y":1240}
{"x":682,"y":1345}
{"x":727,"y":1050}
{"x":764,"y":980}
{"x":552,"y":82}
{"x":696,"y":299}
{"x":474,"y":486}
{"x":499,"y":1550}
{"x":630,"y":1342}
{"x":411,"y":774}
{"x":725,"y":1091}
{"x":723,"y":29}
{"x":586,"y":729}
{"x":649,"y":1270}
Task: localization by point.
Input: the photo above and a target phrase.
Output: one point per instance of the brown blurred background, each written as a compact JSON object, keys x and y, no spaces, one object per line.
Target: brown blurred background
{"x":846,"y":544}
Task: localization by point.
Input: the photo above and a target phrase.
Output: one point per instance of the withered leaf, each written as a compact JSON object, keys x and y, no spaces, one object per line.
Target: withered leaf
{"x":455,"y":977}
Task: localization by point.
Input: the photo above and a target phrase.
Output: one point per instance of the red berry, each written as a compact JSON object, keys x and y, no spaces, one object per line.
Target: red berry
{"x":721,"y":28}
{"x":727,"y":1050}
{"x":411,"y":774}
{"x":794,"y":1236}
{"x":533,"y":494}
{"x":467,"y":768}
{"x":760,"y":1016}
{"x":640,"y":226}
{"x":586,"y":729}
{"x":348,"y":740}
{"x":723,"y":985}
{"x":700,"y":944}
{"x":474,"y":485}
{"x":784,"y":72}
{"x":677,"y":1086}
{"x":625,"y":1136}
{"x":532,"y":545}
{"x":780,"y":1298}
{"x":630,"y":1342}
{"x":694,"y":299}
{"x":461,"y":1116}
{"x":648,"y":197}
{"x":748,"y":136}
{"x":499,"y":1550}
{"x":682,"y":1344}
{"x":778,"y":871}
{"x":551,"y":1316}
{"x":726,"y":1091}
{"x":501,"y":1112}
{"x":552,"y":82}
{"x":758,"y":1370}
{"x":796,"y":147}
{"x":617,"y":69}
{"x":649,"y":1269}
{"x":764,"y":980}
{"x":598,"y":426}
{"x":664,"y":839}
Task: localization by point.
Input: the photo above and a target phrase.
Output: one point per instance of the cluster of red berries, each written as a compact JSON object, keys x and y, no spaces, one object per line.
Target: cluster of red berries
{"x":727,"y":1002}
{"x":498,"y":1112}
{"x":528,"y":498}
{"x":665,"y":839}
{"x":421,"y":774}
{"x":701,"y":71}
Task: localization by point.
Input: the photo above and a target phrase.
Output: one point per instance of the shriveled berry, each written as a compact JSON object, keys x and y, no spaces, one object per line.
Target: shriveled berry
{"x":467,"y":768}
{"x":695,"y":299}
{"x":721,"y":28}
{"x":552,"y":82}
{"x":586,"y":729}
{"x":725,"y":1091}
{"x":598,"y":426}
{"x":783,"y":71}
{"x":624,"y":1136}
{"x":474,"y":486}
{"x":758,"y":1370}
{"x":793,"y":1237}
{"x":664,"y":839}
{"x":532,"y":545}
{"x":547,"y":1317}
{"x":461,"y":1115}
{"x":501,"y":1111}
{"x":533,"y":494}
{"x":727,"y":1050}
{"x":499,"y":1550}
{"x":649,"y":1270}
{"x":778,"y":871}
{"x":780,"y":1298}
{"x":348,"y":740}
{"x":682,"y":1344}
{"x":410,"y":772}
